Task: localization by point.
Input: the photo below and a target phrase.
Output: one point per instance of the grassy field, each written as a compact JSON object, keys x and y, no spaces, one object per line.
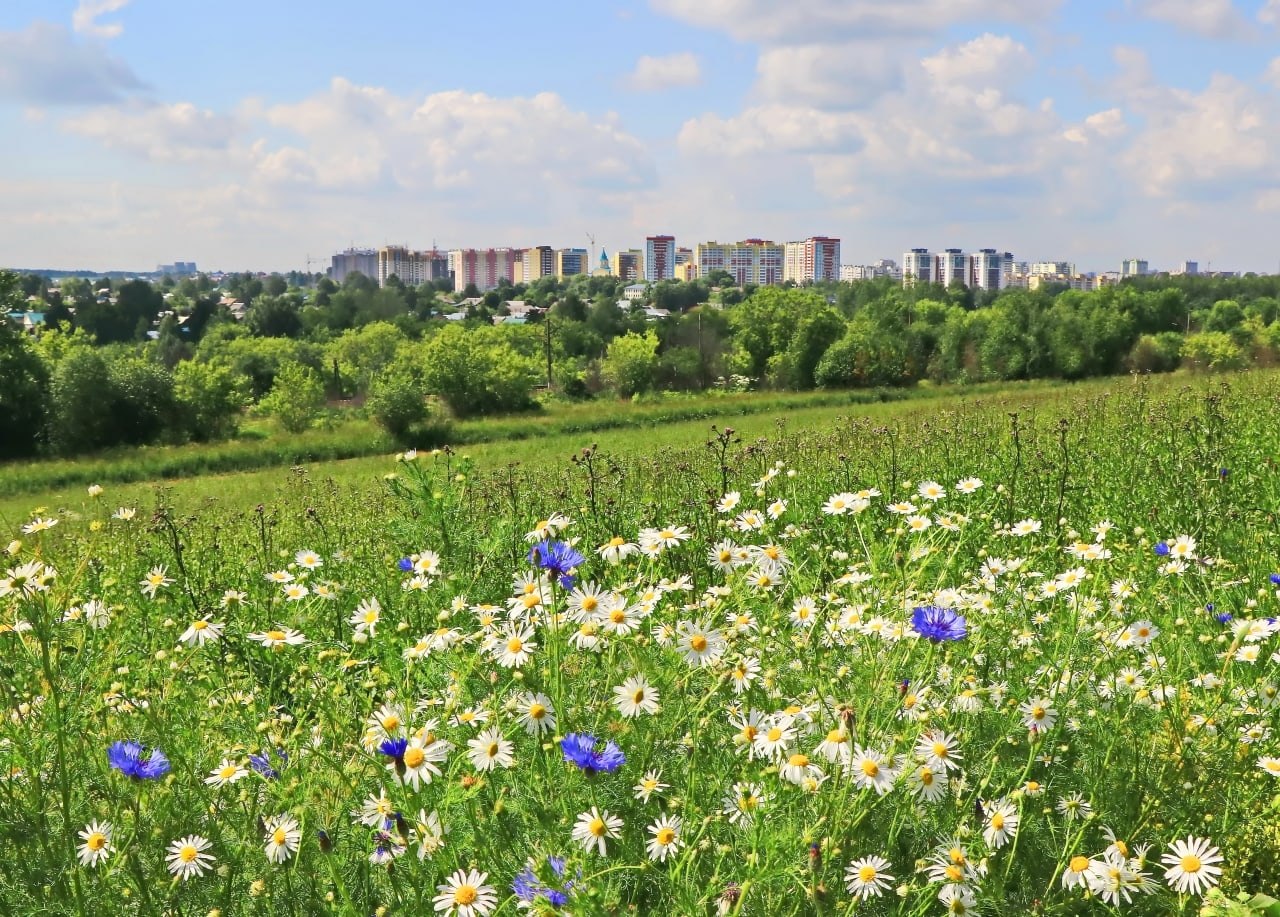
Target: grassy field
{"x":1013,"y":654}
{"x":259,"y":467}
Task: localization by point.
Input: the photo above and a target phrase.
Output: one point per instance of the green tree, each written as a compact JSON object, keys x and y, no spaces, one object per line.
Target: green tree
{"x":23,"y":391}
{"x":297,"y":397}
{"x":142,"y":405}
{"x":630,"y":364}
{"x":396,"y":402}
{"x":210,"y":399}
{"x":1211,"y":351}
{"x":477,"y":374}
{"x":274,"y":316}
{"x":80,"y":398}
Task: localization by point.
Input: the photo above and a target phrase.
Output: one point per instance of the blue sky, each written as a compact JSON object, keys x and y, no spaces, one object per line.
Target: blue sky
{"x":249,"y":135}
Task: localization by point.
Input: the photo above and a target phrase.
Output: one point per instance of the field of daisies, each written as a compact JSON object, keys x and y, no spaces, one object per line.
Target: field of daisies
{"x":995,"y":660}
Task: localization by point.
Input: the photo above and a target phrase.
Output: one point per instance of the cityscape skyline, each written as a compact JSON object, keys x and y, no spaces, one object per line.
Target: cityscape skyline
{"x":1069,"y":128}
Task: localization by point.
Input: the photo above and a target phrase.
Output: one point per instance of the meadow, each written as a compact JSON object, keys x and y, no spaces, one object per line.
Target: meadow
{"x":1008,"y":655}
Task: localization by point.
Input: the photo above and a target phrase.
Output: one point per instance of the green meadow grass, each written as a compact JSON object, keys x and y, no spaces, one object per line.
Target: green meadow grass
{"x":791,"y":735}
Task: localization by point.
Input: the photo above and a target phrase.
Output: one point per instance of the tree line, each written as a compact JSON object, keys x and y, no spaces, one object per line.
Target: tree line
{"x":135,"y":362}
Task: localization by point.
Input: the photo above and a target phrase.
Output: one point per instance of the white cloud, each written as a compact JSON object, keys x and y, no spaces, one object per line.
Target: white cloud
{"x":1270,"y":13}
{"x":1222,"y":140}
{"x":163,"y":133}
{"x":654,"y":74}
{"x":1106,"y":125}
{"x":1206,"y":18}
{"x":85,"y":18}
{"x":42,"y":65}
{"x":848,"y":75}
{"x":1272,"y":74}
{"x":984,"y":61}
{"x":771,"y":129}
{"x":800,"y":21}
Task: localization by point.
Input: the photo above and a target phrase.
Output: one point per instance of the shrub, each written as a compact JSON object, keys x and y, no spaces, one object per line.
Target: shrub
{"x":210,"y":399}
{"x":396,"y":402}
{"x":296,"y":398}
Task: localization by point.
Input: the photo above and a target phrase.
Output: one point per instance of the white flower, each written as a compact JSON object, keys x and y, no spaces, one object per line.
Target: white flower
{"x":1002,"y":823}
{"x":635,"y":696}
{"x":1192,"y":863}
{"x":489,"y":750}
{"x":666,"y":838}
{"x":536,"y":714}
{"x":867,"y":877}
{"x":429,"y":833}
{"x":283,"y":837}
{"x":594,"y":827}
{"x":96,"y":844}
{"x":227,"y":772}
{"x":465,"y":894}
{"x":187,"y":857}
{"x":202,"y":632}
{"x":38,"y":525}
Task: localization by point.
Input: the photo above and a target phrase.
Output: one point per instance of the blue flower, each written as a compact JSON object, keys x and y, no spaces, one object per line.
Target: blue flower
{"x":1161,"y":549}
{"x":129,"y":759}
{"x":557,"y":558}
{"x":1223,"y":617}
{"x":262,"y":763}
{"x":405,"y":564}
{"x":580,"y":749}
{"x":1275,"y":579}
{"x":532,"y":883}
{"x":394,"y":748}
{"x":938,"y":624}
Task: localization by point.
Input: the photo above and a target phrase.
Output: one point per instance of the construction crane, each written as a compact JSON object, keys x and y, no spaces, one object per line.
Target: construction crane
{"x":311,"y":261}
{"x":592,"y":266}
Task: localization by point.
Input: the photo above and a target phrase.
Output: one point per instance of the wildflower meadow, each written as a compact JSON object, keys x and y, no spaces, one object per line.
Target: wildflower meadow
{"x":993,"y":661}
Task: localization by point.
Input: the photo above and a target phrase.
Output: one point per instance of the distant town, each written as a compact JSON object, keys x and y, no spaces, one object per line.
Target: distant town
{"x":750,"y":262}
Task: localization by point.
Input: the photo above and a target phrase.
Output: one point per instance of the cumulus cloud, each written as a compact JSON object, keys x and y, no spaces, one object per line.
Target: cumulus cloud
{"x":654,"y":74}
{"x":43,"y":65}
{"x":1104,"y":125}
{"x":801,"y":21}
{"x":85,"y":18}
{"x":163,"y":133}
{"x":986,"y":60}
{"x":1270,"y":13}
{"x":846,"y":75}
{"x":1205,"y":18}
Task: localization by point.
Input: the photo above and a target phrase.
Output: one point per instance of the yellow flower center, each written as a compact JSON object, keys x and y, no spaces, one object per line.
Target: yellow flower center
{"x":1032,"y":786}
{"x":957,"y":855}
{"x":667,"y":534}
{"x":1037,"y":713}
{"x":616,"y":542}
{"x":370,"y":617}
{"x":774,"y":734}
{"x":617,"y":616}
{"x":227,"y":772}
{"x":96,"y":841}
{"x":414,"y":756}
{"x":530,"y":600}
{"x":870,"y":768}
{"x":798,"y":760}
{"x":275,"y":635}
{"x":940,"y":750}
{"x":1122,"y":847}
{"x":866,"y":873}
{"x":188,"y":853}
{"x":590,"y":603}
{"x":835,"y":735}
{"x":1079,"y":864}
{"x":638,"y":696}
{"x":493,"y":749}
{"x":698,"y":643}
{"x":200,"y":625}
{"x":955,"y":874}
{"x":465,"y":894}
{"x":665,"y":836}
{"x":1190,"y":863}
{"x":926,"y":776}
{"x":997,"y":821}
{"x":390,"y":722}
{"x":596,"y":827}
{"x":537,"y":711}
{"x":278,"y":837}
{"x":515,"y":645}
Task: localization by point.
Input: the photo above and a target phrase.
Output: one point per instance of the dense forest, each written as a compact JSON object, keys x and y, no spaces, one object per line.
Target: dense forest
{"x":130,"y":362}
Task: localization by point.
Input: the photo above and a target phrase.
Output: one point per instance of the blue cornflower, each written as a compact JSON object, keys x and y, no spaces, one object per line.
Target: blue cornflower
{"x":580,"y":749}
{"x":557,"y":558}
{"x":1223,"y":472}
{"x":1275,"y":579}
{"x":405,"y":564}
{"x":1161,"y":549}
{"x":262,"y":763}
{"x":129,"y":759}
{"x":532,"y":883}
{"x":1223,"y":617}
{"x":394,"y":748}
{"x":938,"y":624}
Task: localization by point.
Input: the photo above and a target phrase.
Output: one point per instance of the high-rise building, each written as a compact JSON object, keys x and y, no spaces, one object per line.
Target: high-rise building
{"x":953,"y":265}
{"x":918,"y":267}
{"x":1188,"y":267}
{"x":177,"y":269}
{"x":539,"y":261}
{"x":628,"y":265}
{"x":659,"y":258}
{"x":1050,"y":269}
{"x":753,"y":261}
{"x":814,"y":260}
{"x":483,"y":267}
{"x":570,"y":261}
{"x":364,"y":260}
{"x":412,"y":267}
{"x":1134,"y":267}
{"x":986,"y":269}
